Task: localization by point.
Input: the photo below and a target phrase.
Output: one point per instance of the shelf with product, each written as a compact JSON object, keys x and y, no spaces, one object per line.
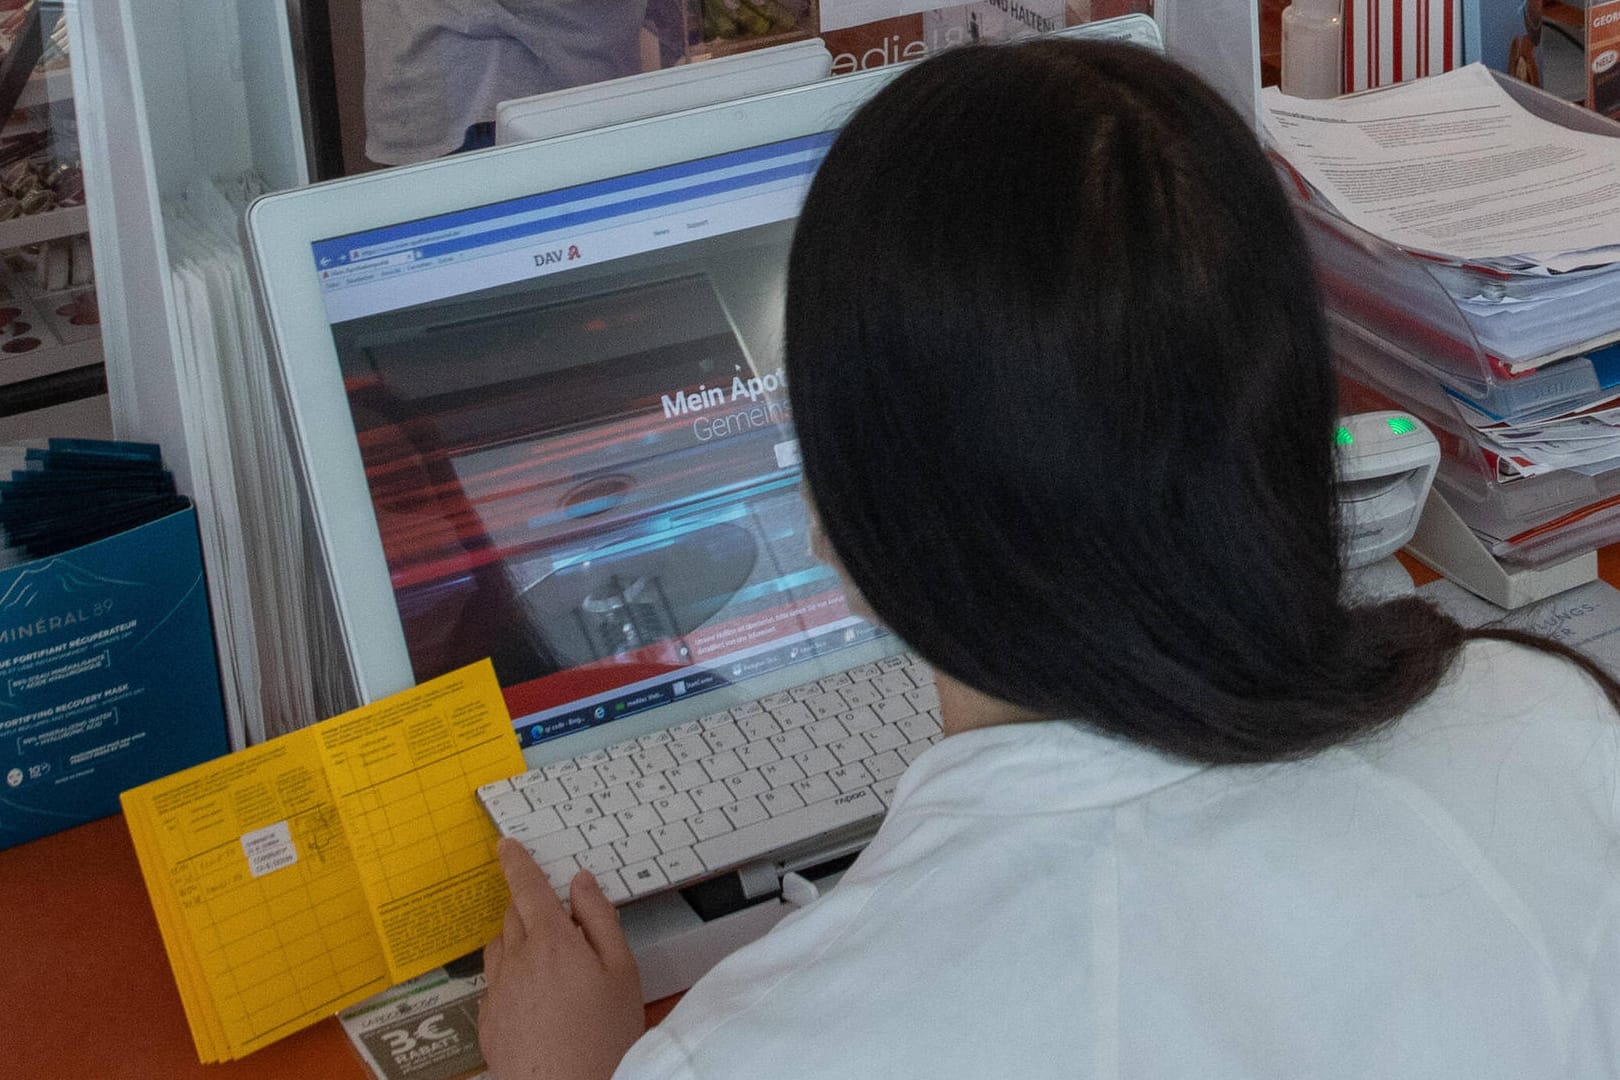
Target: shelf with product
{"x":725,"y":27}
{"x":51,"y":357}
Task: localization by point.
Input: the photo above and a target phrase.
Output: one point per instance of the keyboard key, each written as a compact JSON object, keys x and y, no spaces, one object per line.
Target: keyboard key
{"x":892,"y":710}
{"x":643,"y":877}
{"x":755,"y":728}
{"x":544,"y":792}
{"x":593,"y":757}
{"x":799,"y":693}
{"x":715,"y":720}
{"x":723,"y":765}
{"x":710,"y":824}
{"x":578,"y":811}
{"x":772,"y":833}
{"x":560,"y":768}
{"x":725,"y":737}
{"x":582,"y":782}
{"x":816,"y":760}
{"x":924,"y":697}
{"x":651,"y":788}
{"x":681,"y":864}
{"x":686,"y":777}
{"x":775,"y":701}
{"x":508,"y":807}
{"x":824,"y":705}
{"x":655,"y":738}
{"x":675,"y":808}
{"x":859,"y":694}
{"x":689,"y":749}
{"x":757,"y":754}
{"x":781,"y":773}
{"x":884,"y":789}
{"x":639,"y":819}
{"x":791,"y":716}
{"x":559,"y":872}
{"x":555,"y":845}
{"x":655,"y":760}
{"x":850,"y":777}
{"x":908,"y":753}
{"x":744,"y":812}
{"x":791,"y":742}
{"x":850,"y":750}
{"x":616,"y":798}
{"x":524,"y":779}
{"x":886,"y":738}
{"x":747,"y":708}
{"x":690,"y":727}
{"x":780,"y":801}
{"x":635,"y":848}
{"x":865,"y":671}
{"x":892,"y":684}
{"x":488,"y":791}
{"x":833,"y":682}
{"x":533,"y":826}
{"x":858,"y":720}
{"x":623,"y":749}
{"x":746,"y":783}
{"x":825,"y":731}
{"x":813,"y":789}
{"x":892,"y":663}
{"x":601,"y":832}
{"x":613,"y":887}
{"x":883,"y":766}
{"x":624,"y":770}
{"x":673,"y":837}
{"x":599,"y":861}
{"x":710,"y":796}
{"x":918,"y":727}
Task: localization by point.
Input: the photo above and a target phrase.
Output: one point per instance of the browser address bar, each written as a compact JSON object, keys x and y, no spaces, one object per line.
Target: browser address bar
{"x":507,"y":221}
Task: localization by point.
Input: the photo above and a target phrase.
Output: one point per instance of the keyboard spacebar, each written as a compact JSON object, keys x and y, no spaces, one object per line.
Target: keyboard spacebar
{"x":764,"y":837}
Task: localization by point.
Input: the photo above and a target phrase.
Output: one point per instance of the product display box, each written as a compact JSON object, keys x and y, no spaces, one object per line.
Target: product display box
{"x":108,"y":676}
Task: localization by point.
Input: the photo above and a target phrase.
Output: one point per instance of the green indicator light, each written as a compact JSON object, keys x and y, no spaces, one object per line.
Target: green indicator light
{"x":1344,"y":438}
{"x":1400,"y":425}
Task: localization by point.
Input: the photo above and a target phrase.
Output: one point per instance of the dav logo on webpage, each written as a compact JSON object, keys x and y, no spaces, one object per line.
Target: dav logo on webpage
{"x":557,"y":255}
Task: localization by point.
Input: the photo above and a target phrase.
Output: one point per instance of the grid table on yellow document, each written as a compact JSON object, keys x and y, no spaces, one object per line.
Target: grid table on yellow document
{"x":272,"y":942}
{"x":402,"y":779}
{"x":297,"y":877}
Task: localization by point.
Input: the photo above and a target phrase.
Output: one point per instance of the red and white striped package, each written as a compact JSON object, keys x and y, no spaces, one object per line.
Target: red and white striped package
{"x":1391,"y":41}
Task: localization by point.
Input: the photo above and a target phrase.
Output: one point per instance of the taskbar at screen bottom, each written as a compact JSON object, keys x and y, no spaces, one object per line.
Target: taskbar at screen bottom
{"x":691,"y":683}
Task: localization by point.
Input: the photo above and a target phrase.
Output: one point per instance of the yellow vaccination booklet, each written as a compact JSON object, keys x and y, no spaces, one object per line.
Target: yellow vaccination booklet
{"x":296,"y":877}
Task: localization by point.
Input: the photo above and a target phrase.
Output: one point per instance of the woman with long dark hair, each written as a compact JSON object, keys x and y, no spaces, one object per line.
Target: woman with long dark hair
{"x":1062,"y":386}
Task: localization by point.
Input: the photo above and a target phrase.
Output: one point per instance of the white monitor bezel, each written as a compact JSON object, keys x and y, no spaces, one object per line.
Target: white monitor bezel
{"x":281,"y":228}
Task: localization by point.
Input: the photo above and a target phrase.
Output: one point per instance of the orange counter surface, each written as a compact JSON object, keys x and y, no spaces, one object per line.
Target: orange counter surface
{"x":85,"y":987}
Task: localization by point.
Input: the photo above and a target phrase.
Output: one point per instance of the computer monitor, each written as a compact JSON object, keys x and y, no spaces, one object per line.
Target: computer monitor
{"x":537,"y":402}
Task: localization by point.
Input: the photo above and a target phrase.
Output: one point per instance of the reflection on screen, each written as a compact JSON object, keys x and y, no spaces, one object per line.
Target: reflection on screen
{"x":593,"y":484}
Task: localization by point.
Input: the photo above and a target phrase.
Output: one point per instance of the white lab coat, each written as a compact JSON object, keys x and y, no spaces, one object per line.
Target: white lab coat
{"x":1441,"y":900}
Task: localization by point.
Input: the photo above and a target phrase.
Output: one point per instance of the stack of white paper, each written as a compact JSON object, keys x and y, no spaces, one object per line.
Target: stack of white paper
{"x":1520,"y":216}
{"x":273,"y":641}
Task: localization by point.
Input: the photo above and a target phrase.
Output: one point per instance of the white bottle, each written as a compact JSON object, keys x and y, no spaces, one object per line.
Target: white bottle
{"x":1312,"y":49}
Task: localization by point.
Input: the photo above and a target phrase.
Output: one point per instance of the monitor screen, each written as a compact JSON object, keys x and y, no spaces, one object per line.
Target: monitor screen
{"x":576,"y":438}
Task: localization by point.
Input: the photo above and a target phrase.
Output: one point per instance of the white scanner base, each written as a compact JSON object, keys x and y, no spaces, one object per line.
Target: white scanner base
{"x":1447,"y":545}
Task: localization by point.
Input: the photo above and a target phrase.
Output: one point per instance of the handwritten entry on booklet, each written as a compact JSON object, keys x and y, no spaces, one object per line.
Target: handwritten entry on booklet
{"x":299,"y":876}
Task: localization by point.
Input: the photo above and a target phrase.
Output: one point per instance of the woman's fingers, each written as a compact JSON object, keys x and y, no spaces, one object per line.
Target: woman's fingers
{"x":596,"y":916}
{"x":534,"y":904}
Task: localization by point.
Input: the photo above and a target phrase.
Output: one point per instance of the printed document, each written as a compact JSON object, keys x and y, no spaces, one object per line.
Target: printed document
{"x":1454,"y":167}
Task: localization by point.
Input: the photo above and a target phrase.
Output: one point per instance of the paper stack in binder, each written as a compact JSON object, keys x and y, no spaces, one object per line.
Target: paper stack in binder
{"x":1469,"y":255}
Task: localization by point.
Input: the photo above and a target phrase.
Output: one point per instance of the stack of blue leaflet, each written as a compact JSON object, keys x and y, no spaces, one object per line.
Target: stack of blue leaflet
{"x":108,"y":672}
{"x":76,"y":491}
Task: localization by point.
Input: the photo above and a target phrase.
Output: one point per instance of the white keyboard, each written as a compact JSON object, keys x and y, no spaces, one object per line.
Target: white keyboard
{"x":708,"y":795}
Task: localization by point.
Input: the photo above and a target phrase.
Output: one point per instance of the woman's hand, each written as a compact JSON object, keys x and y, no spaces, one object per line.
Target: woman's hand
{"x":563,"y":998}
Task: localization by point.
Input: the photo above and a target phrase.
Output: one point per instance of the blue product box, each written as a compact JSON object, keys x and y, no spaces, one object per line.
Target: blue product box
{"x":108,"y":676}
